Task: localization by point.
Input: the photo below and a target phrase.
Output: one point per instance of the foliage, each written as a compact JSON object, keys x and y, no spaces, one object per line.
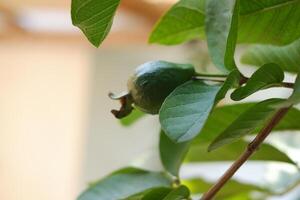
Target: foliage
{"x":191,"y":116}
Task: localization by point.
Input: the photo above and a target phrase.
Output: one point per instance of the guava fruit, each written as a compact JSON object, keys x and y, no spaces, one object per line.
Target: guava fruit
{"x":151,"y":83}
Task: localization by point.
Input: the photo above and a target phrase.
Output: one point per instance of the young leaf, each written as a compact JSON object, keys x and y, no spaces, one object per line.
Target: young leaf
{"x":232,"y":81}
{"x":186,"y":109}
{"x":247,"y":122}
{"x":267,"y":76}
{"x":94,"y":18}
{"x":198,"y":153}
{"x":180,"y":193}
{"x":172,"y":154}
{"x":287,"y":57}
{"x":221,"y":28}
{"x":184,"y":21}
{"x":124,"y":183}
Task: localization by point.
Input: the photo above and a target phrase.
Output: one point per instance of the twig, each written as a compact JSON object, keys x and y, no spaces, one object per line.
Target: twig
{"x":252,"y":147}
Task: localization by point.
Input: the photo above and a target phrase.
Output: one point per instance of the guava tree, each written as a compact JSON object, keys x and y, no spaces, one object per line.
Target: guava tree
{"x":195,"y":127}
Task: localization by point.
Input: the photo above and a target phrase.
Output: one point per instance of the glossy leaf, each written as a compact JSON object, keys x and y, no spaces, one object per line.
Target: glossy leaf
{"x":247,"y":122}
{"x":180,"y":193}
{"x":266,"y":76}
{"x":94,"y":18}
{"x":232,"y":81}
{"x":134,"y":116}
{"x":198,"y":153}
{"x":261,"y":21}
{"x":287,"y":57}
{"x":182,"y":22}
{"x":124,"y":183}
{"x":221,"y":27}
{"x":185,"y":110}
{"x":172,"y":154}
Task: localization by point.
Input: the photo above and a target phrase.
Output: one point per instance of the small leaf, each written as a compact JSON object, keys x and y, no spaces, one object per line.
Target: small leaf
{"x":180,"y":193}
{"x":172,"y":154}
{"x":132,"y":118}
{"x":247,"y":122}
{"x":294,"y":99}
{"x":94,"y":18}
{"x":124,"y":183}
{"x":287,"y":57}
{"x":150,"y":194}
{"x":232,"y":81}
{"x":186,"y":109}
{"x":267,"y":76}
{"x":184,"y":21}
{"x":221,"y":30}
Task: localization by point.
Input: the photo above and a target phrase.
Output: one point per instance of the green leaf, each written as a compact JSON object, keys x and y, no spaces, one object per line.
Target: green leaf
{"x":225,"y":115}
{"x":94,"y":18}
{"x":124,"y":183}
{"x":172,"y":154}
{"x":231,"y":188}
{"x":186,"y":109}
{"x":267,"y":76}
{"x":184,"y":21}
{"x":198,"y":153}
{"x":232,"y":81}
{"x":287,"y":57}
{"x":221,"y":30}
{"x":261,"y":21}
{"x":134,"y":116}
{"x":269,"y":21}
{"x":180,"y":193}
{"x":150,"y":194}
{"x":158,"y":193}
{"x":247,"y":122}
{"x":295,"y":98}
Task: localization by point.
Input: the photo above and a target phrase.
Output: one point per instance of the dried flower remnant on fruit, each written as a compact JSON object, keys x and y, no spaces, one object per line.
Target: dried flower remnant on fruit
{"x":151,"y":83}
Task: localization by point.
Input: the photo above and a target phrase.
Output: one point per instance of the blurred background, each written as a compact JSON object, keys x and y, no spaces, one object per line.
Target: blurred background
{"x":57,"y":132}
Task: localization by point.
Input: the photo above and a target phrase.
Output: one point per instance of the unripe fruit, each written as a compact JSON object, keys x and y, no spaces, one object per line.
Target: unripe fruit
{"x":151,"y":83}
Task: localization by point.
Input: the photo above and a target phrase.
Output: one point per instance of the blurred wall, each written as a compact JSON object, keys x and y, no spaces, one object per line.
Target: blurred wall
{"x":42,"y":119}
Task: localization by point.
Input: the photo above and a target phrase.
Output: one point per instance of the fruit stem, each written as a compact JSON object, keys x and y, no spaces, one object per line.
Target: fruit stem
{"x":212,"y":75}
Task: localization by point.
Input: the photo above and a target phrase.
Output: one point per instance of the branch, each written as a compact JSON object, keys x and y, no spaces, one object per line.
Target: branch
{"x":252,"y":147}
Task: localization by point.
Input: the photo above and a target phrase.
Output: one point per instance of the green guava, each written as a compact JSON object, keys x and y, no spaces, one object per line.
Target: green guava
{"x":151,"y":83}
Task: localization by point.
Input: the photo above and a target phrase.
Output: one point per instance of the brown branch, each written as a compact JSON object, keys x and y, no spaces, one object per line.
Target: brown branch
{"x":252,"y":147}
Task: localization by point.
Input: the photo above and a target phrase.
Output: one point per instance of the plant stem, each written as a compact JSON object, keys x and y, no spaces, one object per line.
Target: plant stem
{"x":252,"y":147}
{"x":212,"y":75}
{"x":213,"y":79}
